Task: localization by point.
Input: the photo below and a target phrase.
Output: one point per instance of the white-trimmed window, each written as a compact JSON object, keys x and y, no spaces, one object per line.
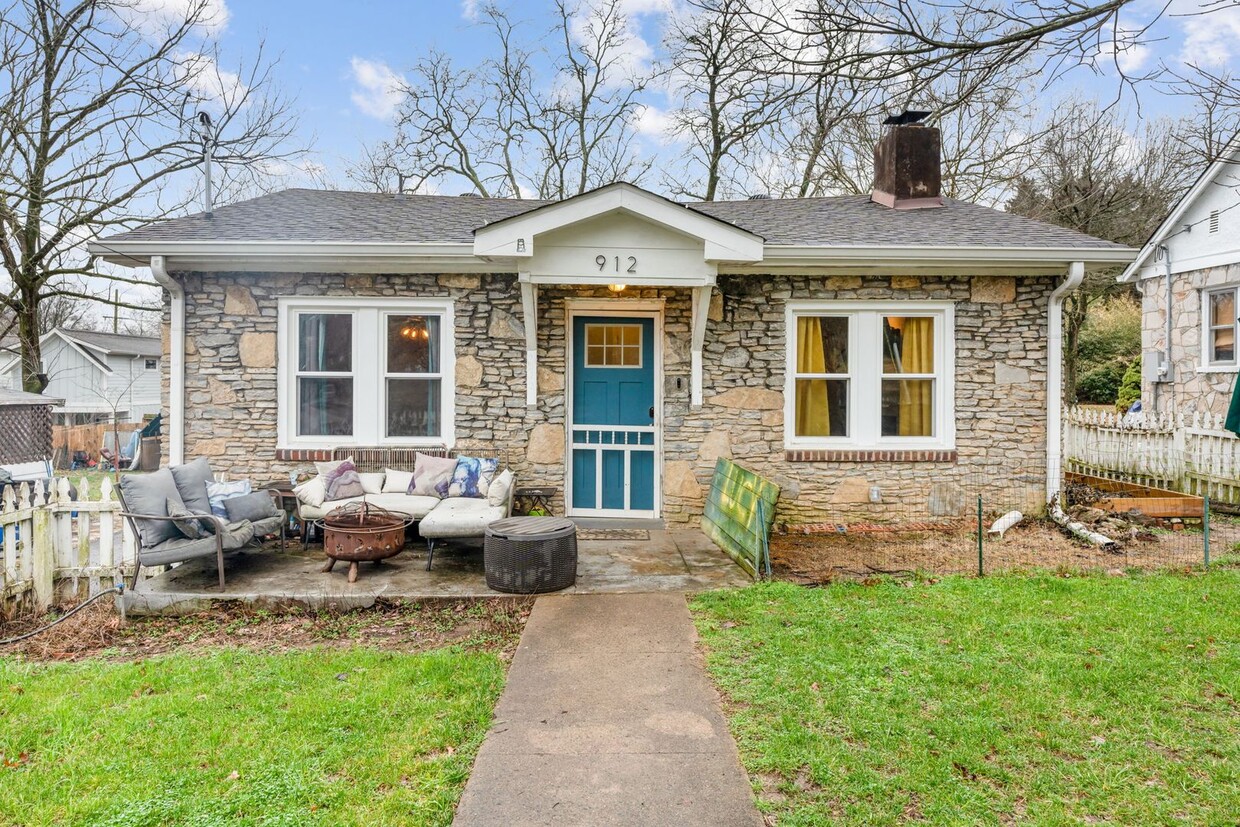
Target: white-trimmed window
{"x":1219,"y":308}
{"x":365,"y":372}
{"x":870,"y":375}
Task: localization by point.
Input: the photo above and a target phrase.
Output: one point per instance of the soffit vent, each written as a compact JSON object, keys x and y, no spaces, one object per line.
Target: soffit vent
{"x":1214,"y":221}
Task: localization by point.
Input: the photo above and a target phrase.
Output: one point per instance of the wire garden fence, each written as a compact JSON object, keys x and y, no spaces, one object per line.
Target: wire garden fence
{"x":990,"y":522}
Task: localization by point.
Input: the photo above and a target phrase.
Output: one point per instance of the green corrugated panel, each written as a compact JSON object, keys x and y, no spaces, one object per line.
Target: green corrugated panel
{"x":731,"y":519}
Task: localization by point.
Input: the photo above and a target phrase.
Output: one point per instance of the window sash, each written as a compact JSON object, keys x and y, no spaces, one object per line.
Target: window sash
{"x":867,"y":376}
{"x":1209,"y":342}
{"x":370,"y":378}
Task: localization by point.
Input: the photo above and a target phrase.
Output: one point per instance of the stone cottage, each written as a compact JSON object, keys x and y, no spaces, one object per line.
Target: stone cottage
{"x":858,"y":350}
{"x":1188,"y":275}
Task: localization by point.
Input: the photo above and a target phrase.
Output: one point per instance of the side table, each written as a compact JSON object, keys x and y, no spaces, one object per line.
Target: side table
{"x":530,"y":497}
{"x":530,"y":555}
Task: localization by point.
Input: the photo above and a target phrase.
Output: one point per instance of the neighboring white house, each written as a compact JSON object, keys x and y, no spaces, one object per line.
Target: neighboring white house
{"x":96,"y":374}
{"x":1189,"y":334}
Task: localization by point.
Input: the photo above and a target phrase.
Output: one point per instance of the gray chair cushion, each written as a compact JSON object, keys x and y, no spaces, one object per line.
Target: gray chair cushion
{"x":191,"y":480}
{"x":149,"y":494}
{"x":268,"y":525}
{"x":180,"y":549}
{"x":189,"y":526}
{"x":253,"y":507}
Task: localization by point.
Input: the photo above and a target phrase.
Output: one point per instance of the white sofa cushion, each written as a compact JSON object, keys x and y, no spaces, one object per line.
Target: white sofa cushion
{"x":312,"y":492}
{"x":410,"y":505}
{"x":396,"y":482}
{"x":372,"y":483}
{"x":318,"y":512}
{"x":460,"y":517}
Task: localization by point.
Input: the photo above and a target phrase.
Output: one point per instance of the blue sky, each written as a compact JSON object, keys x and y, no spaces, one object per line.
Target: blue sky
{"x":340,"y":60}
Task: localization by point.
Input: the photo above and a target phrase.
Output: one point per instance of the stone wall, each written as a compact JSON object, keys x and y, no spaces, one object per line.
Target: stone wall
{"x":231,"y":322}
{"x":1189,"y":390}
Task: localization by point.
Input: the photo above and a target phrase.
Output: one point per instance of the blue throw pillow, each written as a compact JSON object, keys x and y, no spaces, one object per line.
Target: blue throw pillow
{"x":472,"y":477}
{"x":217,"y":492}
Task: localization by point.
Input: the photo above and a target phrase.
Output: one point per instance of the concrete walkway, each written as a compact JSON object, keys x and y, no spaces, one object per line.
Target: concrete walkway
{"x":608,"y":718}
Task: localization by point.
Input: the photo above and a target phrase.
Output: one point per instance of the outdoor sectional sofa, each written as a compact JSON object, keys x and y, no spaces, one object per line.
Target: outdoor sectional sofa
{"x":437,"y":518}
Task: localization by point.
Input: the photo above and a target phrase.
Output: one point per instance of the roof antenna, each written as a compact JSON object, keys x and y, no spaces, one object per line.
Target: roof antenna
{"x":206,"y":133}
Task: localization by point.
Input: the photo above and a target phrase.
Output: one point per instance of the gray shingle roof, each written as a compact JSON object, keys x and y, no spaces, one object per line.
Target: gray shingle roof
{"x":118,"y":342}
{"x":10,"y":396}
{"x":333,"y":215}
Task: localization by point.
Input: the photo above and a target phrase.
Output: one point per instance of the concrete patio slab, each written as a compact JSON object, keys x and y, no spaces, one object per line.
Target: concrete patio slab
{"x":608,"y":718}
{"x":669,"y":561}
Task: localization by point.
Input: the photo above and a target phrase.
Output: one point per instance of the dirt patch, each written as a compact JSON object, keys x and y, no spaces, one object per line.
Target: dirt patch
{"x":1034,"y":544}
{"x":490,"y":625}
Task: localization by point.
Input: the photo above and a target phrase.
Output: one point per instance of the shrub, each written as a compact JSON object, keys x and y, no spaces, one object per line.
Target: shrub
{"x":1100,"y":386}
{"x":1129,"y":387}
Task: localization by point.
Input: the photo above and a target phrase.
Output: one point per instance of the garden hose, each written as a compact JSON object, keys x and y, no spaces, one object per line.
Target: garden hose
{"x":119,"y":588}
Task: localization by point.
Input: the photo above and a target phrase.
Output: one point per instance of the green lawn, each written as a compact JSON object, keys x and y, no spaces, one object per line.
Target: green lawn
{"x":340,"y":737}
{"x":1005,"y":700}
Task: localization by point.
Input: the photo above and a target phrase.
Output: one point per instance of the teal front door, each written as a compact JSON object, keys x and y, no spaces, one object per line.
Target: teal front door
{"x":612,"y":424}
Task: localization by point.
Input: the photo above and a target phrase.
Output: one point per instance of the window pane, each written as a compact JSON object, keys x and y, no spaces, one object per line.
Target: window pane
{"x":413,"y":344}
{"x":822,"y":407}
{"x":325,"y":342}
{"x":908,"y":344}
{"x":822,"y":344}
{"x":908,"y":407}
{"x":1223,"y":308}
{"x":324,"y":406}
{"x":1223,"y":345}
{"x":613,"y":345}
{"x":413,"y":407}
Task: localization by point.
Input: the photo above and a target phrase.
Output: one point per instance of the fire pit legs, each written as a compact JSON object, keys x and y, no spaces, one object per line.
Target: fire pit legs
{"x":329,"y":565}
{"x":353,"y":572}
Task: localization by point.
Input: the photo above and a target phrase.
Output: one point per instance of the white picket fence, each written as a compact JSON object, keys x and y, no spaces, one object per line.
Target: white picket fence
{"x":56,"y":546}
{"x":1182,"y":452}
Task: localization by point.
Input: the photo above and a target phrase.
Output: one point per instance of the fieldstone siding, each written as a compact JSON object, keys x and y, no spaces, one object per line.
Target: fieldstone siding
{"x":231,"y":325}
{"x":1189,"y":390}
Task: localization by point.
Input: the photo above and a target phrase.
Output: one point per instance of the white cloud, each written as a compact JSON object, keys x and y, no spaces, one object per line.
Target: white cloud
{"x":210,"y":84}
{"x":471,"y":9}
{"x":654,"y":123}
{"x":1211,"y":37}
{"x":378,"y":86}
{"x":154,"y":16}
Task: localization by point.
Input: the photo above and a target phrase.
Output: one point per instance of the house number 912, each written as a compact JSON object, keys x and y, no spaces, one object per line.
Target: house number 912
{"x":601,"y":261}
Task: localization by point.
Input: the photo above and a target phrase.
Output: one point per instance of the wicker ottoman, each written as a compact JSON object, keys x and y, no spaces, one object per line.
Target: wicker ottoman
{"x":528,"y":555}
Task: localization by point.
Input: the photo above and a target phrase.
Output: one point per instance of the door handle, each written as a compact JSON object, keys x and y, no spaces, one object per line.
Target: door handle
{"x":652,"y":411}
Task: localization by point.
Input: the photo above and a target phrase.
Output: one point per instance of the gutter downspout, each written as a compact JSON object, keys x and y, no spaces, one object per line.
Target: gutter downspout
{"x":1164,"y":370}
{"x":176,"y":378}
{"x":1054,"y":377}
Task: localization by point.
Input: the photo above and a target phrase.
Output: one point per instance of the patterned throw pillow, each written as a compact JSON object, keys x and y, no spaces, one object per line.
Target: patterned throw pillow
{"x":343,"y":482}
{"x":432,"y":475}
{"x":472,"y":477}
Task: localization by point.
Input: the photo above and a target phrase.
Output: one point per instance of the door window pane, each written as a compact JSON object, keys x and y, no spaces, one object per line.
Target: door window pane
{"x":613,"y":346}
{"x":908,"y":407}
{"x":908,"y":344}
{"x":325,"y":406}
{"x":413,"y":407}
{"x":413,"y":344}
{"x":821,"y":407}
{"x":325,"y":342}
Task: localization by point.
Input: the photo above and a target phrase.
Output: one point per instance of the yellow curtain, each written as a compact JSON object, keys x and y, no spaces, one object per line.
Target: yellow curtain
{"x":812,"y":415}
{"x":916,"y":395}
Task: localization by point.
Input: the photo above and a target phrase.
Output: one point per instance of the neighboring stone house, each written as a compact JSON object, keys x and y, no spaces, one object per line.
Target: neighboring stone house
{"x":96,"y":375}
{"x":616,"y":343}
{"x":1189,"y":337}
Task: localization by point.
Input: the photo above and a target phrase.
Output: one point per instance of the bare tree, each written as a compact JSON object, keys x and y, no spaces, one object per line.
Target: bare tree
{"x":731,"y":93}
{"x":502,"y":131}
{"x":1089,"y":174}
{"x":94,"y":100}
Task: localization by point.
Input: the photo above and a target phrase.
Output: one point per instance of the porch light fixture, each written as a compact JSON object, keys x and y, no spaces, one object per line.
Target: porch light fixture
{"x":617,"y":288}
{"x":520,"y":245}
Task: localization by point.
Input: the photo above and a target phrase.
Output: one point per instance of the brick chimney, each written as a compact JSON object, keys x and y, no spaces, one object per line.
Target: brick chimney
{"x":906,"y":164}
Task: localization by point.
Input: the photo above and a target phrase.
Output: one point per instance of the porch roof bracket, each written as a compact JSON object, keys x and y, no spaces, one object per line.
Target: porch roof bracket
{"x":701,"y":308}
{"x":529,"y":318}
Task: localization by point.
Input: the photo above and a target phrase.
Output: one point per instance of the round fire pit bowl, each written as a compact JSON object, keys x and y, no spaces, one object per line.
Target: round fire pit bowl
{"x":360,"y":531}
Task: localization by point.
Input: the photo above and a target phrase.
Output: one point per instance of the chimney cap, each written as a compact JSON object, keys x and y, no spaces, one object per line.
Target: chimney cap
{"x":908,"y":116}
